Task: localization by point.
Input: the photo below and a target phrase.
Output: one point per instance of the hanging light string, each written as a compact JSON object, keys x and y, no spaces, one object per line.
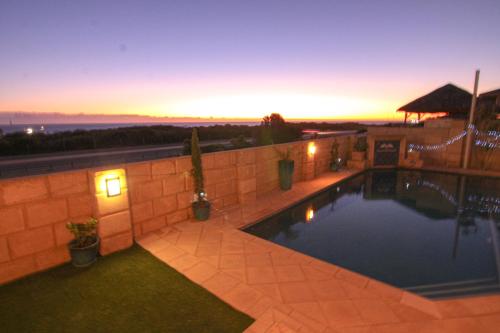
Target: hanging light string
{"x":489,"y":139}
{"x":481,"y":203}
{"x":448,"y":196}
{"x":486,"y":204}
{"x":452,"y":140}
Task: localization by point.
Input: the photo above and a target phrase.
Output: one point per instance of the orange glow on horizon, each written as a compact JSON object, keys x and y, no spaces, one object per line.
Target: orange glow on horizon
{"x":159,"y":99}
{"x":225,"y":97}
{"x":290,"y":106}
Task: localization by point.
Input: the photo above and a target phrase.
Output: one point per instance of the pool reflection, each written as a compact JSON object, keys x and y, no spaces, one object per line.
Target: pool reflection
{"x":408,"y":228}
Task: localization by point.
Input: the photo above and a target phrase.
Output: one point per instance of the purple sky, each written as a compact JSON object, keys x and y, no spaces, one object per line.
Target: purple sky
{"x":172,"y":57}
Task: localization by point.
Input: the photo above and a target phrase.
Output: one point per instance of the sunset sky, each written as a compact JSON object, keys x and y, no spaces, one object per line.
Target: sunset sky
{"x":241,"y":59}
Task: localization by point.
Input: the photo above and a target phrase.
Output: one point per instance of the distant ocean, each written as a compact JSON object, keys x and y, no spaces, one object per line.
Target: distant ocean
{"x":53,"y":128}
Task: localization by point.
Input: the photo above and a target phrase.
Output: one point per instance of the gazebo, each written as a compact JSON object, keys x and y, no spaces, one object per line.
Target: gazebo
{"x":491,"y":99}
{"x":449,"y":100}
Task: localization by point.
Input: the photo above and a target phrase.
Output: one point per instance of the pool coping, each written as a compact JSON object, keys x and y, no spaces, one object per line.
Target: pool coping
{"x":232,"y":220}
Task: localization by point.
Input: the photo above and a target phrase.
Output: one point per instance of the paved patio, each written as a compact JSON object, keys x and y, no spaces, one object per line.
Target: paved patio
{"x":286,"y":291}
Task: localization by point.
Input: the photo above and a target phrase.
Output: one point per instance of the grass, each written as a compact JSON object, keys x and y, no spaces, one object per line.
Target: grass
{"x":130,"y":291}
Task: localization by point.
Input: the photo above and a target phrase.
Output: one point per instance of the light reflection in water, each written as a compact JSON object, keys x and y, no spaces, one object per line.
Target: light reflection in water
{"x":309,"y":214}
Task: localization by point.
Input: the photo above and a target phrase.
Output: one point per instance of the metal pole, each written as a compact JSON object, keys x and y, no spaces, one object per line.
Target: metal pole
{"x":468,"y":141}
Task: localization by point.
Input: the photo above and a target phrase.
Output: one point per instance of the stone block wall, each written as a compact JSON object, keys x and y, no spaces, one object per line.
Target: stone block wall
{"x":33,"y":216}
{"x":161,"y":191}
{"x":34,"y":210}
{"x":437,"y":132}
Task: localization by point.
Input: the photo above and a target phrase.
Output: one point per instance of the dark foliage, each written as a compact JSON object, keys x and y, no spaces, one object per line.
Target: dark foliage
{"x":21,"y":143}
{"x":273,"y":129}
{"x":197,"y":170}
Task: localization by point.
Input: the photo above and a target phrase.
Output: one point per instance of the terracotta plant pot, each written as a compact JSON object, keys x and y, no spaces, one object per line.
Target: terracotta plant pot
{"x":286,"y":168}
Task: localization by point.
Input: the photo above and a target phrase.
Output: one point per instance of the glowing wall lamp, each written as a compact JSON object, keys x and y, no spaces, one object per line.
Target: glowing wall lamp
{"x":311,"y":149}
{"x":113,"y":187}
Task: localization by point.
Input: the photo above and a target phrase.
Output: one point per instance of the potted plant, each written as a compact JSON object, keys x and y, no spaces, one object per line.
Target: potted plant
{"x":413,"y":155}
{"x":336,"y":161}
{"x":200,"y":205}
{"x":360,"y":148}
{"x":83,"y":249}
{"x":286,"y":167}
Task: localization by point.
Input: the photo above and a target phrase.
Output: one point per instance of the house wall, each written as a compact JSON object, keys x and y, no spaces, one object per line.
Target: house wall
{"x":34,"y":210}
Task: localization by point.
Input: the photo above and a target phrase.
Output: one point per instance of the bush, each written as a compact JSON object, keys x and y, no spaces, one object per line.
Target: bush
{"x":361,"y":145}
{"x":85,"y":233}
{"x":197,"y":170}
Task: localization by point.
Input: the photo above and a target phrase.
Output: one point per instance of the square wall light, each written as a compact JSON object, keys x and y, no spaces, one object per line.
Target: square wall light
{"x":113,"y":187}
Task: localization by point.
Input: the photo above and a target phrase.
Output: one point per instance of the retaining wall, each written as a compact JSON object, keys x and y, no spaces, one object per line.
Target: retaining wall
{"x":34,"y":210}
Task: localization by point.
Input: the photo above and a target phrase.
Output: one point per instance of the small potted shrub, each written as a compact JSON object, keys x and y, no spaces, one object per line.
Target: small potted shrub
{"x":286,"y":167}
{"x":336,"y":161}
{"x":200,"y":205}
{"x":413,"y":155}
{"x":360,"y":148}
{"x":83,"y":249}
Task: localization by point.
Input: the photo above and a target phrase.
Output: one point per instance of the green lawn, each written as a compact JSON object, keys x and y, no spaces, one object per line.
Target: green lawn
{"x":130,"y":291}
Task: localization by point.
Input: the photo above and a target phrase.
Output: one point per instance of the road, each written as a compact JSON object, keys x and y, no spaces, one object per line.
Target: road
{"x":45,"y":163}
{"x":26,"y":165}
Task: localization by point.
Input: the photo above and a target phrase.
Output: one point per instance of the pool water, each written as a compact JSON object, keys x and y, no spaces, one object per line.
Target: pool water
{"x":436,"y":234}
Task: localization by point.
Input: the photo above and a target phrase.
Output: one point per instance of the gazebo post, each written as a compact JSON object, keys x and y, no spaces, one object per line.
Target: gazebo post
{"x":406,"y":116}
{"x":468,"y":139}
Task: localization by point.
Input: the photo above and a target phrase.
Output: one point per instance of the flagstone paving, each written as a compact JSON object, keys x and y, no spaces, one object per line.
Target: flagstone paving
{"x":286,"y":291}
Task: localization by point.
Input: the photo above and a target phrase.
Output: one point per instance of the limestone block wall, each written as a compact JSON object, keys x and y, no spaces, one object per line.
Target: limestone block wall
{"x":161,"y":191}
{"x":113,"y":213}
{"x":34,"y":210}
{"x":33,"y":214}
{"x":306,"y":166}
{"x":434,"y":132}
{"x":437,"y":132}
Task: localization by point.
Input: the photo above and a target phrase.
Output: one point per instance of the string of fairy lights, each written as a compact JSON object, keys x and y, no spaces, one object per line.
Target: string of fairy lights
{"x":483,"y":203}
{"x":488,"y":139}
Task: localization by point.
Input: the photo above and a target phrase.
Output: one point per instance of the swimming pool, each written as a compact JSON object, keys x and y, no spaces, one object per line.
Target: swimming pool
{"x":436,"y":234}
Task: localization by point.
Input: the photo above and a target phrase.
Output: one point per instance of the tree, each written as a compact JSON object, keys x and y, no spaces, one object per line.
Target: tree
{"x":274,"y":129}
{"x":197,"y":166}
{"x":275,"y":120}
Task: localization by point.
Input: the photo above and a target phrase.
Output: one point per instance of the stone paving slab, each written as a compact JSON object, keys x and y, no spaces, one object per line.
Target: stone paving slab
{"x":287,"y":291}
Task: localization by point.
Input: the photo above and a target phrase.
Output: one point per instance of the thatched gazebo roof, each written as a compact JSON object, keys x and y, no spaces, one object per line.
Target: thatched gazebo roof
{"x":493,"y":93}
{"x":448,"y":99}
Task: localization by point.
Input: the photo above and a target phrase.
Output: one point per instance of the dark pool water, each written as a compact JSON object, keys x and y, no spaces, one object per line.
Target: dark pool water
{"x":435,"y":234}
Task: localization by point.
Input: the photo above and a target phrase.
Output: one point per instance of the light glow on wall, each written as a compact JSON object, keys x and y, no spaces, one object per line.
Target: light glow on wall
{"x":311,"y":149}
{"x":110,"y":183}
